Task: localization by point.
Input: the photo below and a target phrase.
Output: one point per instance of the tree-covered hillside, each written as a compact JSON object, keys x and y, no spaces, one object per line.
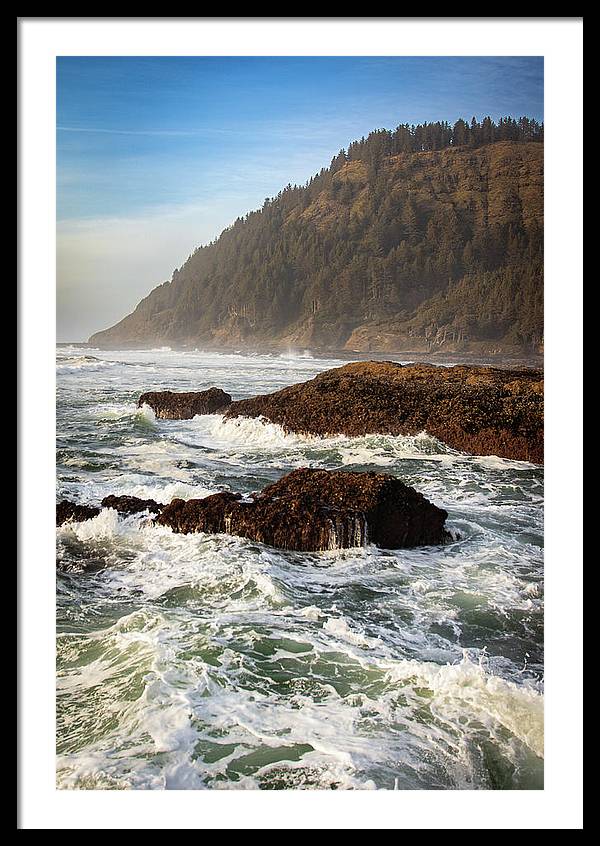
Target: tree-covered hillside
{"x":424,"y":238}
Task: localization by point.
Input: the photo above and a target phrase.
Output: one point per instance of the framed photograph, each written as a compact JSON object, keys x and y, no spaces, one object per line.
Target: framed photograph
{"x":292,"y":295}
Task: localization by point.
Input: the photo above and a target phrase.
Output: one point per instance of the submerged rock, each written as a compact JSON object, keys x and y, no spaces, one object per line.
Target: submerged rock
{"x":171,"y":405}
{"x":131,"y":504}
{"x":481,"y":410}
{"x":71,"y":511}
{"x":310,"y":510}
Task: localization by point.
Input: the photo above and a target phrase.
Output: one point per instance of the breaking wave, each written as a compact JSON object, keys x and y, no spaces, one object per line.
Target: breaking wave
{"x":214,"y":662}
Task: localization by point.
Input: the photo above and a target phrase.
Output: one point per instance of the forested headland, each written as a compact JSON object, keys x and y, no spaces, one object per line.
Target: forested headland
{"x":425,"y":238}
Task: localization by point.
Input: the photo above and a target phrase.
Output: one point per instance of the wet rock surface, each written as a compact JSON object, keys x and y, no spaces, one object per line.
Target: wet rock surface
{"x":131,"y":504}
{"x":171,"y":405}
{"x":480,"y":410}
{"x":66,"y":510}
{"x":307,"y":510}
{"x":210,"y":514}
{"x":310,"y":510}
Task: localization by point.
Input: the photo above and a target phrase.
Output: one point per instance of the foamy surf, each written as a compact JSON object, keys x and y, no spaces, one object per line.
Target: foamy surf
{"x":213,"y":662}
{"x":87,"y":363}
{"x":259,"y":434}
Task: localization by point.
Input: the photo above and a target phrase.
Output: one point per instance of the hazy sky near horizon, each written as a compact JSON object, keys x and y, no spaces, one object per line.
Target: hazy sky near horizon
{"x":156,"y":155}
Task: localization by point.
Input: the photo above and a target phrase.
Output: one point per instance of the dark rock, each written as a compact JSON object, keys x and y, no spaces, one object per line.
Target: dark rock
{"x":71,"y":511}
{"x":211,"y":514}
{"x":170,"y":405}
{"x":481,"y":410}
{"x":311,"y":510}
{"x":67,"y":510}
{"x":131,"y":504}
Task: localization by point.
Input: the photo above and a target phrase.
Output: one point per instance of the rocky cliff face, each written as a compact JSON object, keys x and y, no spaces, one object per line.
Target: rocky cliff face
{"x":418,"y":251}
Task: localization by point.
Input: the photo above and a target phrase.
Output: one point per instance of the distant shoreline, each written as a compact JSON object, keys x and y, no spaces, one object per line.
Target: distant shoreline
{"x":533,"y":360}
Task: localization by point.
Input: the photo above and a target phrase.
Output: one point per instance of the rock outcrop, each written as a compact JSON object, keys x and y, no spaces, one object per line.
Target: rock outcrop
{"x":307,"y":510}
{"x":316,"y":510}
{"x":170,"y":405}
{"x":70,"y":511}
{"x":131,"y":504}
{"x":481,"y":410}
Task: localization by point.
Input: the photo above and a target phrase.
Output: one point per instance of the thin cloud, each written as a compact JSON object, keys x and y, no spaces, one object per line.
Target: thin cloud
{"x":169,"y":132}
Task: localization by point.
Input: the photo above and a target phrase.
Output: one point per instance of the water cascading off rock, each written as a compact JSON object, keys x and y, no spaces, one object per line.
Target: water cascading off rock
{"x":307,"y":510}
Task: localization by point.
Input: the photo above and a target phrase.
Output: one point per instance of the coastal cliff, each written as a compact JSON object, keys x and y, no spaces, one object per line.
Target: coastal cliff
{"x":419,"y":251}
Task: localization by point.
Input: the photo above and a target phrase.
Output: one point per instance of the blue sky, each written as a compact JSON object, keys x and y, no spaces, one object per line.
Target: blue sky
{"x":158,"y":155}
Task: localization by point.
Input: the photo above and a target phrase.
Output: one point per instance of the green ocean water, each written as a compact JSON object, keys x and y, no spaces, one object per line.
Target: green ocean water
{"x":212,"y":662}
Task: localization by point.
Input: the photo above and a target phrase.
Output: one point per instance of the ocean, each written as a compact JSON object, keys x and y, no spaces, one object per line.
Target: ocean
{"x":213,"y":662}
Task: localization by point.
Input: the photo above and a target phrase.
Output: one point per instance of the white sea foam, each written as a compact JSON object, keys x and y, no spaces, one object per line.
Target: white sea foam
{"x":243,"y":431}
{"x":146,"y":412}
{"x":76,"y":364}
{"x":186,"y":704}
{"x":466,"y":689}
{"x":261,"y":434}
{"x":194,"y":661}
{"x":105,"y":525}
{"x":339,"y":628}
